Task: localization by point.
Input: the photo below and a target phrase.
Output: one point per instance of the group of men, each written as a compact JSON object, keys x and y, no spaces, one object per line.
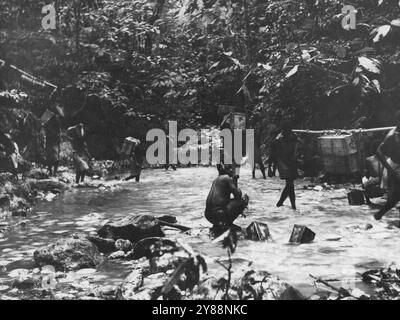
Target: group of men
{"x":221,"y":210}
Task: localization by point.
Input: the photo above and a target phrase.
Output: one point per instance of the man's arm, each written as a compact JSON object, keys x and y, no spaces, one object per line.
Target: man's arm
{"x":237,"y":193}
{"x":381,"y":155}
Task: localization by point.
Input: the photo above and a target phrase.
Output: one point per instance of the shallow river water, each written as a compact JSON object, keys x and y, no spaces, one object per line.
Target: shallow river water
{"x":342,"y":249}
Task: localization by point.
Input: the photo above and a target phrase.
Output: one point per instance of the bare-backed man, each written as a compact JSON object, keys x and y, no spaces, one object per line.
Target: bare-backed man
{"x":388,"y":154}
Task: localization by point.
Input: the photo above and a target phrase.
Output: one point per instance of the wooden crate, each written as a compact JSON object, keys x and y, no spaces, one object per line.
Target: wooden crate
{"x":342,"y":145}
{"x":341,"y":164}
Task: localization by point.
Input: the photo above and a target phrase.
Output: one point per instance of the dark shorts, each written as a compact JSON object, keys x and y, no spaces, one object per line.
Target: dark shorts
{"x":215,"y":215}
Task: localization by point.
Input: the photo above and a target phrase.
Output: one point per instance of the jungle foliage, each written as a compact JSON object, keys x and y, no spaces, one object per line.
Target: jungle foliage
{"x":123,"y":67}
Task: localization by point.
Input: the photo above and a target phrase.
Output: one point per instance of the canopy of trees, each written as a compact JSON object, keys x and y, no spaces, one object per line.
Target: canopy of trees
{"x":122,"y":67}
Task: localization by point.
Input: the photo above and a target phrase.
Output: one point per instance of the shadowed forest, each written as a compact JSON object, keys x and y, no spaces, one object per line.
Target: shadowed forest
{"x":123,"y":67}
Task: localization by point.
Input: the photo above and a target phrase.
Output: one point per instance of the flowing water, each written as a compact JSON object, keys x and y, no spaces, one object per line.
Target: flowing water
{"x":342,"y":249}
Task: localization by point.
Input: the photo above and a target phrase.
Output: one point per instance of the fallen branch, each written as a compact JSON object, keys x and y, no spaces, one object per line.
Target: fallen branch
{"x":341,"y":291}
{"x":29,"y":77}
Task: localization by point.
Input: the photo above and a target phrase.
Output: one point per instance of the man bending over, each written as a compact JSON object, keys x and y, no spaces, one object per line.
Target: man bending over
{"x":221,"y":210}
{"x":388,"y":154}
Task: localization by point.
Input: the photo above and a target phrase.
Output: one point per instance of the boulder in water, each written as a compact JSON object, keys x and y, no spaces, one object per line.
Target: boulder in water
{"x":70,"y":253}
{"x":48,"y":185}
{"x":132,"y":228}
{"x":149,"y":288}
{"x":4,"y":200}
{"x":260,"y":285}
{"x":153,"y":247}
{"x":103,"y":245}
{"x":123,"y":245}
{"x":117,"y":255}
{"x":168,"y":218}
{"x":131,"y":285}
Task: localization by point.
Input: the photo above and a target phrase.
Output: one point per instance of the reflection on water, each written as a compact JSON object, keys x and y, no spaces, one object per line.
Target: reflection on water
{"x":342,"y":245}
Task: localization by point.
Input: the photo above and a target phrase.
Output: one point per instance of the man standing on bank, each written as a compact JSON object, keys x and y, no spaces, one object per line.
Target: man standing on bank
{"x":284,"y":150}
{"x":388,"y":154}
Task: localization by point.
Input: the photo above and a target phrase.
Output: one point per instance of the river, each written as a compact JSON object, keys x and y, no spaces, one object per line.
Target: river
{"x":342,"y":249}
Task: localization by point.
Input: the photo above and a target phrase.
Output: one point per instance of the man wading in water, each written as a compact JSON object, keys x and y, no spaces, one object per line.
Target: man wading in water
{"x":221,"y":210}
{"x":80,"y":154}
{"x":136,"y":161}
{"x":284,"y":151}
{"x":388,"y":154}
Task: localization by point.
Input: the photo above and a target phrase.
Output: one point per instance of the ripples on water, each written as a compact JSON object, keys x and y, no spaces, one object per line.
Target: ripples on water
{"x":340,"y":248}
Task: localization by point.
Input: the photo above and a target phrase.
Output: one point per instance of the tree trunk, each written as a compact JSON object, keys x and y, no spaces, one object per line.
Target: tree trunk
{"x":248,"y":83}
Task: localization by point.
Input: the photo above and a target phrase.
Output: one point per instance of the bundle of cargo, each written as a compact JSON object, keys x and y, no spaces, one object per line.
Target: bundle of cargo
{"x":340,"y":154}
{"x":129,"y":145}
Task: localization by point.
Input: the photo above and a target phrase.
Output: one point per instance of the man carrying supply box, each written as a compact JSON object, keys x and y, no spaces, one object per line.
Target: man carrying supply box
{"x":133,"y":152}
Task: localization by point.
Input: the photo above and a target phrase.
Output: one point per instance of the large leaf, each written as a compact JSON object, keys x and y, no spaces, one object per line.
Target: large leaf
{"x":292,"y":71}
{"x":340,"y":51}
{"x":370,"y":64}
{"x":380,"y":32}
{"x":395,"y":23}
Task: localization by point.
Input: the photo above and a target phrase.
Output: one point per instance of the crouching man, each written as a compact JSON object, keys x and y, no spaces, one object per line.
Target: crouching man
{"x":221,"y":210}
{"x":388,"y":154}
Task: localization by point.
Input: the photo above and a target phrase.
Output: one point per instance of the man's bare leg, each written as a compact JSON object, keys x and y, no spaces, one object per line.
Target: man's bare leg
{"x":393,"y":198}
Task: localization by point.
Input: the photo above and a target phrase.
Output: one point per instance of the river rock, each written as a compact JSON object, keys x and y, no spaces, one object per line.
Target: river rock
{"x":4,"y":200}
{"x":131,"y":285}
{"x":106,"y":292}
{"x":117,"y":255}
{"x":132,"y":228}
{"x":48,"y":185}
{"x":37,"y":174}
{"x":260,"y":285}
{"x":70,"y":253}
{"x":153,"y":247}
{"x":149,"y":288}
{"x":26,"y":283}
{"x":5,"y":227}
{"x":123,"y":245}
{"x":103,"y":245}
{"x":20,"y":213}
{"x":168,"y":218}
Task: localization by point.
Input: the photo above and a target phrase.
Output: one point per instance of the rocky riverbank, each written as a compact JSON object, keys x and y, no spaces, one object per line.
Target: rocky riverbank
{"x":154,"y":251}
{"x":19,"y":196}
{"x":162,"y":267}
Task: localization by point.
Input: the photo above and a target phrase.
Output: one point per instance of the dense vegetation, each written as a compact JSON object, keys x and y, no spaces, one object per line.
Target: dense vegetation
{"x":122,"y":67}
